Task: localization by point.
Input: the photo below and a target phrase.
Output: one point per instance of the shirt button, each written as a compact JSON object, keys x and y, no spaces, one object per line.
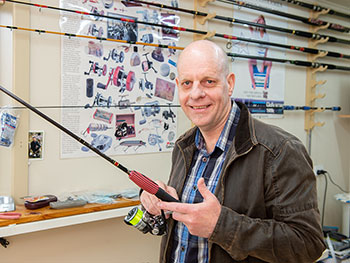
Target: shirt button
{"x":204,"y":159}
{"x":194,"y":187}
{"x":182,"y":248}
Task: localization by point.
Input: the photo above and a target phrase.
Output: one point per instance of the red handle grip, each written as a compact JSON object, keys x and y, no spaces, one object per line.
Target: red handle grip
{"x":150,"y":186}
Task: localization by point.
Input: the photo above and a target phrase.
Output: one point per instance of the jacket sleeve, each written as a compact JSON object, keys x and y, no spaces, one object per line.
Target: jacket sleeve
{"x":292,"y":232}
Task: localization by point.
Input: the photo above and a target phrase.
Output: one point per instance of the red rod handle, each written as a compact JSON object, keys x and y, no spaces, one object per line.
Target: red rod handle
{"x":150,"y":186}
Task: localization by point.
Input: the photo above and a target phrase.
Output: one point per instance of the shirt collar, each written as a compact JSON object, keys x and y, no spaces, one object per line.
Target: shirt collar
{"x":227,"y":134}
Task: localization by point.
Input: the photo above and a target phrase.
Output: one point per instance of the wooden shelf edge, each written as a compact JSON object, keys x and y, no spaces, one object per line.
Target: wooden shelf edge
{"x":46,"y":213}
{"x":90,"y":213}
{"x":344,"y":116}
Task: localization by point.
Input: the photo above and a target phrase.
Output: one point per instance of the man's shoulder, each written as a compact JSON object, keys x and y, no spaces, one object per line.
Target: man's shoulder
{"x":187,"y":135}
{"x":273,"y":136}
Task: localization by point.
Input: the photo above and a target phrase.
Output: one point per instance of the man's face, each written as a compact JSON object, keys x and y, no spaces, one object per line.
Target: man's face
{"x":204,"y":91}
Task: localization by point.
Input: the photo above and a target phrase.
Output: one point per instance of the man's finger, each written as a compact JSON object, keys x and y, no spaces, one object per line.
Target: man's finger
{"x":175,"y":207}
{"x":202,"y":188}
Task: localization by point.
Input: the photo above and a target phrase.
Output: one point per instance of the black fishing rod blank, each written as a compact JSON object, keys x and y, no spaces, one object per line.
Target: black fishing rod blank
{"x":195,"y":31}
{"x":309,"y":21}
{"x":70,"y":35}
{"x":307,"y":108}
{"x":284,"y":107}
{"x":292,"y":62}
{"x":139,"y":179}
{"x":300,"y":33}
{"x":317,"y":8}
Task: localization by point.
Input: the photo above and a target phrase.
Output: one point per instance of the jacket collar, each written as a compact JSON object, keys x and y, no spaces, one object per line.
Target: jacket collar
{"x":245,"y":134}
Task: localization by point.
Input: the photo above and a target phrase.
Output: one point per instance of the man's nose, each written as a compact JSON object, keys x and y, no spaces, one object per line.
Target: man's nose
{"x":197,"y":91}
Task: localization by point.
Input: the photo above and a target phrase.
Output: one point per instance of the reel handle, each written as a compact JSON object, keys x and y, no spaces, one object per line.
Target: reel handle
{"x":150,"y":186}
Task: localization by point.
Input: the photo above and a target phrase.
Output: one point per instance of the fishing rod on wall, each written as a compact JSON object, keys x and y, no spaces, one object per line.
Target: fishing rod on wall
{"x":70,"y":35}
{"x":300,"y":33}
{"x":249,"y":105}
{"x":293,"y":62}
{"x":230,"y":54}
{"x":309,"y":21}
{"x":318,"y":8}
{"x":195,"y":31}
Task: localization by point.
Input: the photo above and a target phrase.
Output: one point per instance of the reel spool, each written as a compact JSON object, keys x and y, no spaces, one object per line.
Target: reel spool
{"x":146,"y":222}
{"x":94,"y":31}
{"x":125,"y":81}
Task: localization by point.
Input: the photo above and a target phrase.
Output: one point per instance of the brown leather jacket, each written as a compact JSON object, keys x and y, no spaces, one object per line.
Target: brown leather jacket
{"x":268,"y":194}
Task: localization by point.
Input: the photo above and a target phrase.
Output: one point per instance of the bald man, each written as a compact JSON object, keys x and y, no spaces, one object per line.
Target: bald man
{"x":247,"y":189}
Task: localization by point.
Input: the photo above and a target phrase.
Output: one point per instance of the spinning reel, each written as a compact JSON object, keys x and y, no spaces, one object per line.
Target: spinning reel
{"x":169,"y":114}
{"x":97,"y":14}
{"x":145,"y":222}
{"x":113,"y":54}
{"x":152,"y":108}
{"x":95,"y":68}
{"x":147,"y":64}
{"x":94,"y":31}
{"x":120,"y":79}
{"x":124,"y":103}
{"x":100,"y":101}
{"x":102,"y":142}
{"x":144,"y":84}
{"x":123,"y":80}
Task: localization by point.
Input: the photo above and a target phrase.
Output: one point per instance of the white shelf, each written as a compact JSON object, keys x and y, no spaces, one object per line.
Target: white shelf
{"x":16,"y":229}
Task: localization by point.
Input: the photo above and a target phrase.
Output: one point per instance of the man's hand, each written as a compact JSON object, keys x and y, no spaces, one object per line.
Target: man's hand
{"x":200,"y":218}
{"x":150,"y":202}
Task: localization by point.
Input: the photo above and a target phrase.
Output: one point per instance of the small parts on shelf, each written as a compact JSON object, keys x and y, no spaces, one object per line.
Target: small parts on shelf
{"x":36,"y":202}
{"x":10,"y":215}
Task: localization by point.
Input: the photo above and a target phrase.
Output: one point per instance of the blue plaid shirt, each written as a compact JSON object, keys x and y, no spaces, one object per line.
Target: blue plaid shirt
{"x":186,"y":247}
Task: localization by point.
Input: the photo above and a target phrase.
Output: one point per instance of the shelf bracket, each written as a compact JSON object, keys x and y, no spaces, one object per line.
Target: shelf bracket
{"x":4,"y":242}
{"x":318,"y":13}
{"x":202,"y":19}
{"x":203,"y":3}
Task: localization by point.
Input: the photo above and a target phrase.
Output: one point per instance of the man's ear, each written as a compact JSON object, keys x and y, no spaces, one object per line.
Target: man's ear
{"x":231,"y":79}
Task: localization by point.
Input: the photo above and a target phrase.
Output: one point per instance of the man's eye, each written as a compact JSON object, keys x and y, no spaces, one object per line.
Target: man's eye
{"x":209,"y":82}
{"x":186,"y":83}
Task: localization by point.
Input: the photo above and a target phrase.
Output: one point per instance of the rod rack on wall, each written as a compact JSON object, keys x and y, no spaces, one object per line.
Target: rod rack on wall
{"x":309,"y":21}
{"x":230,"y":54}
{"x":318,"y":8}
{"x":196,"y":31}
{"x":208,"y":16}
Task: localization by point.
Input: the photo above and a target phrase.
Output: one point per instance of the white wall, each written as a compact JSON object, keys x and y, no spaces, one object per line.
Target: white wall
{"x":5,"y":81}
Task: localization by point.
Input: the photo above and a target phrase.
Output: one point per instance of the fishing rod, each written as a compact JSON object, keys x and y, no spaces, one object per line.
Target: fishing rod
{"x":139,"y":179}
{"x":85,"y":107}
{"x":307,"y":108}
{"x":230,"y":54}
{"x":284,"y":107}
{"x":293,"y":62}
{"x":317,"y":8}
{"x":225,"y":36}
{"x":70,"y":35}
{"x":309,"y":21}
{"x":262,"y":105}
{"x":300,"y":33}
